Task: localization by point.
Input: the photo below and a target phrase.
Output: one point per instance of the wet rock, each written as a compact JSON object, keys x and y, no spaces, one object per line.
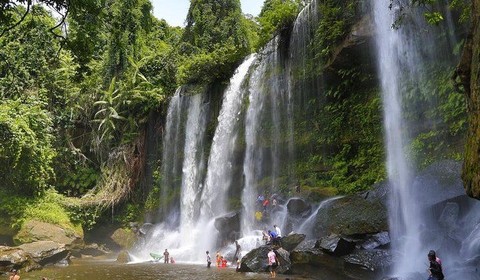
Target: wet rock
{"x":228,"y":226}
{"x":11,"y":257}
{"x":306,"y":245}
{"x":33,"y":231}
{"x":411,"y":276}
{"x":124,"y":238}
{"x":46,"y":252}
{"x":449,"y":217}
{"x":336,"y":245}
{"x":373,"y":260}
{"x":257,"y":260}
{"x":439,"y":182}
{"x":123,"y":257}
{"x":298,"y":207}
{"x":145,"y":228}
{"x":352,"y":215}
{"x":291,"y":241}
{"x":313,"y":256}
{"x":376,"y":240}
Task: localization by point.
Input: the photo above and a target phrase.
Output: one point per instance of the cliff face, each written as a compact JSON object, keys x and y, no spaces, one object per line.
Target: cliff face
{"x":469,"y":72}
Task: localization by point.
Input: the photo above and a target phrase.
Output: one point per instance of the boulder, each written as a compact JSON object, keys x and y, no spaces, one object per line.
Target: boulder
{"x":123,"y":257}
{"x":11,"y":257}
{"x":373,"y":260}
{"x":298,"y":207}
{"x":32,"y":231}
{"x":257,"y":261}
{"x":228,"y":226}
{"x":439,"y":182}
{"x":374,"y":241}
{"x":336,"y":245}
{"x":351,"y":215}
{"x":449,"y":217}
{"x":145,"y":228}
{"x":292,"y":240}
{"x":46,"y":252}
{"x":124,"y":238}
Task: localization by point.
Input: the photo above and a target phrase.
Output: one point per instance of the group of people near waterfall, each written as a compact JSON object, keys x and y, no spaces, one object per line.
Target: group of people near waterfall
{"x":272,"y":237}
{"x":264,"y":204}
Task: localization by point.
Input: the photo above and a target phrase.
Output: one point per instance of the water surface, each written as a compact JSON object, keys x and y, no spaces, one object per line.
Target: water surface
{"x":92,"y":269}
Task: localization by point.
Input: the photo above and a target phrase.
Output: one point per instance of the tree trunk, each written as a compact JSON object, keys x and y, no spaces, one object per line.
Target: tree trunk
{"x":469,"y":72}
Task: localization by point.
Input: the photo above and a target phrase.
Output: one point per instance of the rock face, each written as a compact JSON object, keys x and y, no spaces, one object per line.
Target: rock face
{"x":33,"y":231}
{"x":352,"y":215}
{"x":468,"y":71}
{"x":46,"y":252}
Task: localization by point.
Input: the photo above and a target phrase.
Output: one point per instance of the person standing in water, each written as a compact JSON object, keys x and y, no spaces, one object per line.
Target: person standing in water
{"x":435,"y":268}
{"x":273,"y":263}
{"x":236,"y":257}
{"x":209,"y":259}
{"x":166,"y":256}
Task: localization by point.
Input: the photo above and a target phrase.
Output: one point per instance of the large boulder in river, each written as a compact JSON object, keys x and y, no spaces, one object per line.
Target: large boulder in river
{"x":351,"y":215}
{"x":11,"y":257}
{"x":257,"y":260}
{"x":124,"y":238}
{"x":292,"y":240}
{"x":46,"y":252}
{"x":32,"y":231}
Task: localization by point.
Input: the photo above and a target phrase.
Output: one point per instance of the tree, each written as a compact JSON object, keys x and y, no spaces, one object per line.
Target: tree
{"x":26,"y":150}
{"x":215,"y":39}
{"x":275,"y":16}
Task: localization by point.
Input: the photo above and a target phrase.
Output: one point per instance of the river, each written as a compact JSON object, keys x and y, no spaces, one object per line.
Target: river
{"x":93,"y":269}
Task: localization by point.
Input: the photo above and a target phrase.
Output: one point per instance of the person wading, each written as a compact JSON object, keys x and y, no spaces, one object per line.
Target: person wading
{"x":435,"y":268}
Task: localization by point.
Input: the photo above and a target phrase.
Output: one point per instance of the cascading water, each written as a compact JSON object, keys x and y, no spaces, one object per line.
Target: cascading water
{"x":199,"y":203}
{"x":171,"y":169}
{"x":220,"y":163}
{"x":194,"y":163}
{"x":402,"y":53}
{"x":277,"y":84}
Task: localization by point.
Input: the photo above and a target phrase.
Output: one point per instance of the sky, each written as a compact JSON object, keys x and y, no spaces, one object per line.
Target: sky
{"x":175,"y":11}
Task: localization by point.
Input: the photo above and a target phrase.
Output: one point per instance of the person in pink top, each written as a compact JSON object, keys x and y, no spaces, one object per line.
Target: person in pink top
{"x":273,"y":263}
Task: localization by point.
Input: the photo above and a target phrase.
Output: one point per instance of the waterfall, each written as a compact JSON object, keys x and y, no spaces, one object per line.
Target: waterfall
{"x":278,"y":83}
{"x":194,"y":162}
{"x":171,"y":159}
{"x":402,"y":54}
{"x":220,"y":167}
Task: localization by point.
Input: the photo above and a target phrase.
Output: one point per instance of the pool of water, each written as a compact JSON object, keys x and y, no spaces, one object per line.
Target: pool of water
{"x":93,"y":269}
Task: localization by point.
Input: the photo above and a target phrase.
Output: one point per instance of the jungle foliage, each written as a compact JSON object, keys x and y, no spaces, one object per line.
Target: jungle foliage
{"x":76,"y":93}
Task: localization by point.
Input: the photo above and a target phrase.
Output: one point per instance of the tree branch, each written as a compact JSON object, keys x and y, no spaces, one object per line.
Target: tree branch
{"x":29,"y":3}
